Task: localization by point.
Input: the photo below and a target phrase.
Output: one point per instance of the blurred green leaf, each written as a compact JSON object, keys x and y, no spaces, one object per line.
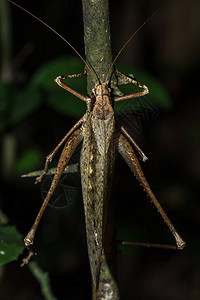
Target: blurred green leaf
{"x":16,"y":104}
{"x":23,"y":104}
{"x":29,"y":160}
{"x":11,"y":244}
{"x":158,"y":95}
{"x":66,"y":104}
{"x":44,"y":76}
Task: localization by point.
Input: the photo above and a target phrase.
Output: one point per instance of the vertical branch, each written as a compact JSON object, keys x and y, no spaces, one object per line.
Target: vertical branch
{"x":97,"y":39}
{"x":99,"y":55}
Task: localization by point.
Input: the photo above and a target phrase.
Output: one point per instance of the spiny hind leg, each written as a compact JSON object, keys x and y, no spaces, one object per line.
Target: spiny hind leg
{"x":53,"y":152}
{"x":127,"y":152}
{"x":139,"y":150}
{"x":67,"y":152}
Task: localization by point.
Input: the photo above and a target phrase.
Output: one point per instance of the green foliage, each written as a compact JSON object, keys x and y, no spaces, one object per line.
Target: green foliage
{"x":16,"y":104}
{"x":29,"y":160}
{"x":24,"y":103}
{"x":11,"y":244}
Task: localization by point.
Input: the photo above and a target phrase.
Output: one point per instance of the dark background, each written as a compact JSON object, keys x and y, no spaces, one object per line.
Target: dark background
{"x":168,"y":47}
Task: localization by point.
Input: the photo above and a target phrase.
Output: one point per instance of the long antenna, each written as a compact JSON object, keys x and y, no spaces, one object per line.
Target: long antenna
{"x":45,"y":24}
{"x":120,"y":51}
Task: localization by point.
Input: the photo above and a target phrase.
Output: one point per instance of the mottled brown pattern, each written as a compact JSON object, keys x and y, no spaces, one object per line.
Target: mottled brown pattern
{"x":67,"y":152}
{"x":127,"y":152}
{"x":96,"y":168}
{"x":96,"y":128}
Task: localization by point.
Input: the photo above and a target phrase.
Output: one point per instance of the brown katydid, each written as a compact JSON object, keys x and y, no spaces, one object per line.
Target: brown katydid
{"x":96,"y":131}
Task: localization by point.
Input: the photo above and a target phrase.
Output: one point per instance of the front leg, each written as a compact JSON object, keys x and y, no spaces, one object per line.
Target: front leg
{"x":143,"y":92}
{"x":59,"y":81}
{"x":127,"y":152}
